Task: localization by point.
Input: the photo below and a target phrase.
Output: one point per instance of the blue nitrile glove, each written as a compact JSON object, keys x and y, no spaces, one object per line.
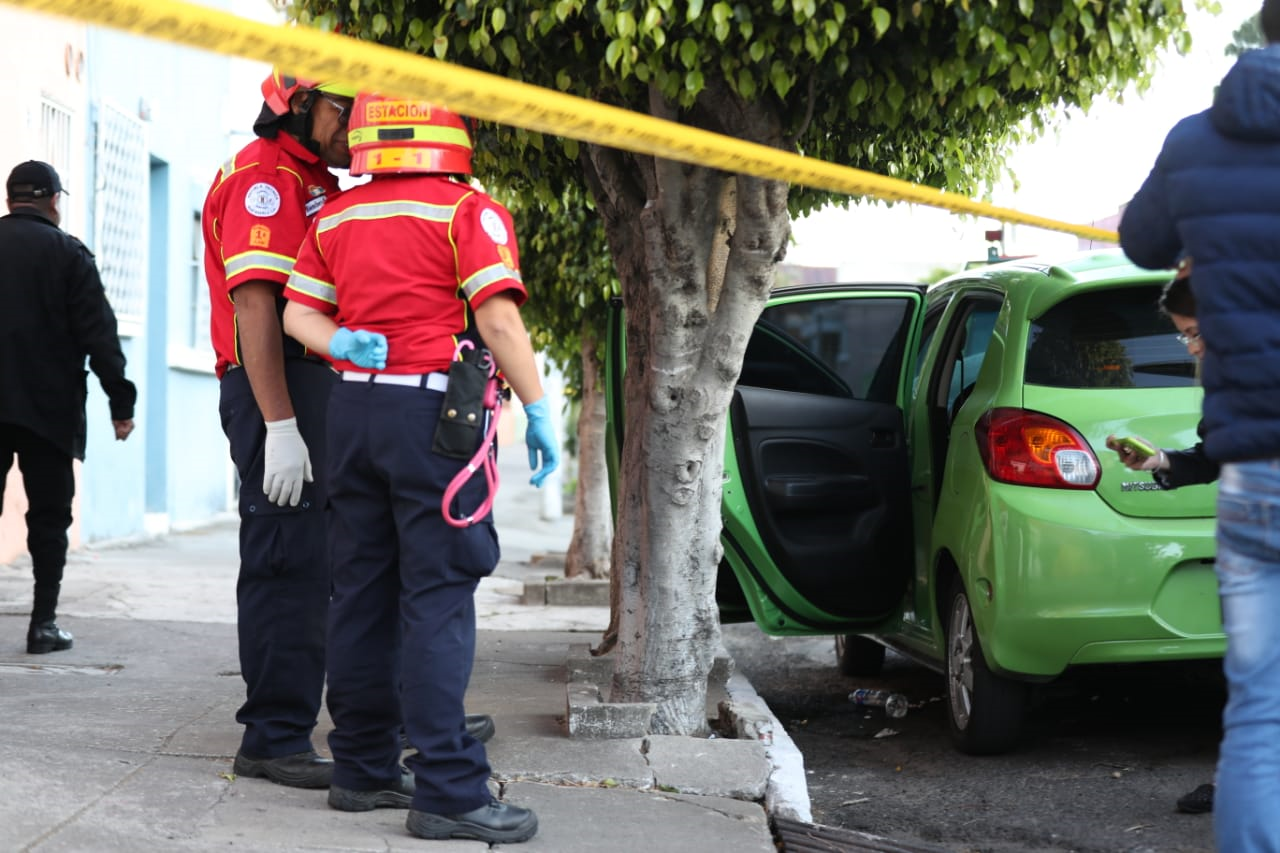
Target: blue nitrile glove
{"x":361,"y":347}
{"x":540,"y":436}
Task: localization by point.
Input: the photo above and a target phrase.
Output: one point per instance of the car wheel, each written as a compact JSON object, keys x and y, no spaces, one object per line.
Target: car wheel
{"x":857,"y":655}
{"x":985,"y":711}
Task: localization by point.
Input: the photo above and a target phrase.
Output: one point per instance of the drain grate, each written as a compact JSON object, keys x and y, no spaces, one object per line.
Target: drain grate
{"x":796,"y":837}
{"x":58,"y":669}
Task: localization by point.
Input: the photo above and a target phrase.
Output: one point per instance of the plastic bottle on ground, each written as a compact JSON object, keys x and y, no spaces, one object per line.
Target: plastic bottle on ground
{"x":895,"y":705}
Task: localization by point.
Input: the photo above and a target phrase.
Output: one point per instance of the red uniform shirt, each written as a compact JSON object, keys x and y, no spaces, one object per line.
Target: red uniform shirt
{"x":255,"y":217}
{"x":404,"y":255}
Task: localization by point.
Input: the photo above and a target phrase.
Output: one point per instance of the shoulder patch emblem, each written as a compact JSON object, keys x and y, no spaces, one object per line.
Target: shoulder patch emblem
{"x":262,"y":199}
{"x":505,"y":255}
{"x":260,"y":236}
{"x":491,"y":222}
{"x":314,"y":205}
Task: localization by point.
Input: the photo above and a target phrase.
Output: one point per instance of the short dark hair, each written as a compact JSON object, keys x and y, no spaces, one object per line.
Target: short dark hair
{"x":1177,"y":298}
{"x":1269,"y":18}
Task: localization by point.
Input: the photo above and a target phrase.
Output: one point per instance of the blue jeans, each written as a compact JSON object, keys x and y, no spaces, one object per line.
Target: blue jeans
{"x":1247,"y":804}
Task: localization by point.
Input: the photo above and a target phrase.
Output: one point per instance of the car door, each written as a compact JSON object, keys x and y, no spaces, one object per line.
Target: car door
{"x":817,"y":527}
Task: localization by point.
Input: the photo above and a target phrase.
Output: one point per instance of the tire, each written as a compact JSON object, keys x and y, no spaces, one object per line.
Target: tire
{"x":985,"y":712}
{"x":856,"y":655}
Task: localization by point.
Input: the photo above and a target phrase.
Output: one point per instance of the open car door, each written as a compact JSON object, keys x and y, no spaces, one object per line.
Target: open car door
{"x":817,"y":514}
{"x":817,"y":511}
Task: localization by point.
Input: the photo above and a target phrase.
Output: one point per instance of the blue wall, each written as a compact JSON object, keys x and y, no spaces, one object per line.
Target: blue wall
{"x":176,"y":463}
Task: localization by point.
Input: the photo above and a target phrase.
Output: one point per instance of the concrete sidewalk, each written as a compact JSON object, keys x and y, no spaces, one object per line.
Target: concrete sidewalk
{"x":125,"y":742}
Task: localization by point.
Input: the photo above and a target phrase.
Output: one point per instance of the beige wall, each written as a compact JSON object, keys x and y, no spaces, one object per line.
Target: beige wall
{"x":42,"y":57}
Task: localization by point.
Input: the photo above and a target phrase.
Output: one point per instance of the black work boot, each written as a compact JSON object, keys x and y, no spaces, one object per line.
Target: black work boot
{"x":495,"y":823}
{"x":45,"y":637}
{"x":479,"y":726}
{"x":300,"y":770}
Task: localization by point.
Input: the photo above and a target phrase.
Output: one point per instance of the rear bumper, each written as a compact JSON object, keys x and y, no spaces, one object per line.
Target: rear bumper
{"x":1072,"y":582}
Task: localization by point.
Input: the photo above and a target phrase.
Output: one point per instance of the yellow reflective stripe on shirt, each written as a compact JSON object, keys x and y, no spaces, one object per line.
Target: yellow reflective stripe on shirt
{"x":313,"y":287}
{"x":240,"y":264}
{"x":386,"y":210}
{"x":487,"y":276}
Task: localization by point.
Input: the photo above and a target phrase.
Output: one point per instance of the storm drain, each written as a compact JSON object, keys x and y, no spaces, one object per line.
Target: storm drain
{"x":796,"y":837}
{"x":57,"y":669}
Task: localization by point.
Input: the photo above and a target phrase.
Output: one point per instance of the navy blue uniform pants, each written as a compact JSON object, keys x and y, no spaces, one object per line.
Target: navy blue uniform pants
{"x":402,"y":622}
{"x":50,"y":484}
{"x":282,"y":593}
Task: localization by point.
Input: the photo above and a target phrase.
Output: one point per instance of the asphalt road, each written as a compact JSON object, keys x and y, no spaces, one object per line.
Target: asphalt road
{"x":1107,"y":755}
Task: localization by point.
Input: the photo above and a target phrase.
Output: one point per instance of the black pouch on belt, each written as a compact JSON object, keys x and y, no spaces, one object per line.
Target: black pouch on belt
{"x":463,"y":411}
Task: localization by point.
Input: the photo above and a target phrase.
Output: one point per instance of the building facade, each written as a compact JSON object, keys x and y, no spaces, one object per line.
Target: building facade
{"x":137,"y":129}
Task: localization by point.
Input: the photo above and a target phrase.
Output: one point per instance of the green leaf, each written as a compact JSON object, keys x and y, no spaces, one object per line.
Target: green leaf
{"x":625,"y":24}
{"x":510,"y":50}
{"x":379,"y":24}
{"x":693,"y":82}
{"x":986,"y":95}
{"x":613,"y":53}
{"x":720,"y":13}
{"x":498,"y":19}
{"x":781,"y":79}
{"x":1026,"y":7}
{"x":858,"y":92}
{"x":695,"y":10}
{"x":880,"y":20}
{"x":755,"y":51}
{"x":688,"y":53}
{"x":895,"y":95}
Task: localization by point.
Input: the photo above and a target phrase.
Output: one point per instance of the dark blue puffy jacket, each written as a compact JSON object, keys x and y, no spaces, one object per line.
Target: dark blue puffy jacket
{"x":1214,"y":194}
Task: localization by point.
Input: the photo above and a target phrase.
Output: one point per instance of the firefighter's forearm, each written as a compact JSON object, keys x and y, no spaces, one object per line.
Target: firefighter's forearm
{"x":262,"y":348}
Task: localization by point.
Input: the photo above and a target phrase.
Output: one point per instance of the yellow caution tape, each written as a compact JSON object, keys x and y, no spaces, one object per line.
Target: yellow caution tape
{"x":325,"y":56}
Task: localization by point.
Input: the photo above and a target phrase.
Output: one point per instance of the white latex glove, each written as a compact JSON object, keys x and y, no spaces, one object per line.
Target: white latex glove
{"x":287,"y":464}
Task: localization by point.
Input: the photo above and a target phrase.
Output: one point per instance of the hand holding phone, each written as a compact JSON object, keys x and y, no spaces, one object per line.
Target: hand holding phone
{"x":1136,"y":453}
{"x":1133,"y":444}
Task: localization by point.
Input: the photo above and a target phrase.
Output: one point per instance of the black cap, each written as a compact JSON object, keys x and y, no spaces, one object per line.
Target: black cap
{"x":31,"y":180}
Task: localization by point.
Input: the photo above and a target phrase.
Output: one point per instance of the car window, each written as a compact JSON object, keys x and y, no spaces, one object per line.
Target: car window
{"x":1107,"y":339}
{"x":931,"y":320}
{"x":978,"y":324}
{"x":835,"y":347}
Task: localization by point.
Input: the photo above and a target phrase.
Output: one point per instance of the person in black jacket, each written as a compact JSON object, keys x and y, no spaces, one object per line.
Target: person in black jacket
{"x":55,"y":314}
{"x":1173,"y":468}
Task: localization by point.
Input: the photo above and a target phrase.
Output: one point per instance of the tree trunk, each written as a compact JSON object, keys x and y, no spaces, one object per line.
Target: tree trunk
{"x":592,"y":515}
{"x":683,"y":359}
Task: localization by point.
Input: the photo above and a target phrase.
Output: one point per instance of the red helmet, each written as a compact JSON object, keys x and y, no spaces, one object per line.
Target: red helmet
{"x":279,"y":89}
{"x":395,"y":136}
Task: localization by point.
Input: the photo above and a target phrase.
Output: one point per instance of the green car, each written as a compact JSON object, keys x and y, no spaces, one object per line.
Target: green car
{"x":925,"y":469}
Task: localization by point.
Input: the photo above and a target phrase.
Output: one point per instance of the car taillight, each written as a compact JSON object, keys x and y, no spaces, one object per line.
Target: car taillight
{"x":1031,"y":449}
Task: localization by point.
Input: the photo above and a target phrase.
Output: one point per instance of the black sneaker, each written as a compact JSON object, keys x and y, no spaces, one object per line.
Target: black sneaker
{"x":398,"y":797}
{"x":301,"y":770}
{"x":47,"y":637}
{"x":495,"y":823}
{"x":1198,"y":801}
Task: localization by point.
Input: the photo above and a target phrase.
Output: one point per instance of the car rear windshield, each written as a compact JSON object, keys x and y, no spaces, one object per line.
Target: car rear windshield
{"x":1114,"y":338}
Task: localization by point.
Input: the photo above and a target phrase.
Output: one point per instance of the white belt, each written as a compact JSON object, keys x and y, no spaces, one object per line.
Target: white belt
{"x":432,"y":381}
